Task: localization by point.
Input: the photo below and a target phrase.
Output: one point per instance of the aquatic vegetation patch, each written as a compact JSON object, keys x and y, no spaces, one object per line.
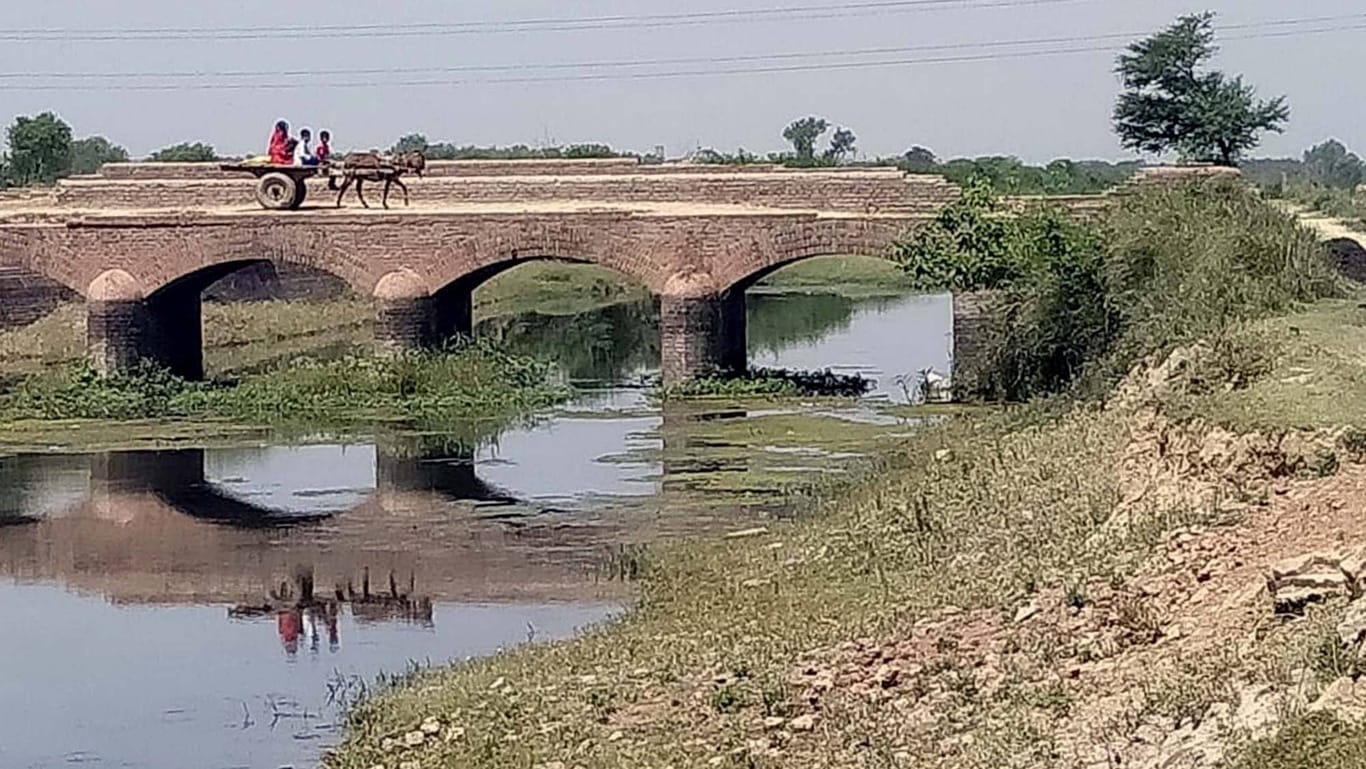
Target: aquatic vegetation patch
{"x":471,"y":380}
{"x":772,"y":382}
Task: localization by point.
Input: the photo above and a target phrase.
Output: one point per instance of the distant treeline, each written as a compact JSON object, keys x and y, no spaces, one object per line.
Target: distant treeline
{"x":42,"y":150}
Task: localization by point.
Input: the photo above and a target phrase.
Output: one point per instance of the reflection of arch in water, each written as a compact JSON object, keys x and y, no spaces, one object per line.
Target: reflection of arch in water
{"x":123,"y":538}
{"x":404,"y":464}
{"x":177,"y":477}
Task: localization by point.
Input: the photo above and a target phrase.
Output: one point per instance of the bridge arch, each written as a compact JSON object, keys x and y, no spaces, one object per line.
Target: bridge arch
{"x":705,"y":327}
{"x":811,"y":239}
{"x":428,"y":304}
{"x":127,"y":322}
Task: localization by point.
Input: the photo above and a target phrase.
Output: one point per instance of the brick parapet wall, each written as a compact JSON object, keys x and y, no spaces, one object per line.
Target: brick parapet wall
{"x":458,"y":168}
{"x":810,"y":191}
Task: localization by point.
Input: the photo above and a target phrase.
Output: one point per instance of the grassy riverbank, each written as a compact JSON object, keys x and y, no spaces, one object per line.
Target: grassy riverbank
{"x":1061,"y":584}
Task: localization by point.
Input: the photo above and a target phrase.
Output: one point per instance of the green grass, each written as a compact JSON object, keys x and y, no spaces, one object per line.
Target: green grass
{"x":855,"y":276}
{"x":1306,"y":370}
{"x":1315,"y":741}
{"x":1345,"y":205}
{"x":554,"y":288}
{"x":476,"y":381}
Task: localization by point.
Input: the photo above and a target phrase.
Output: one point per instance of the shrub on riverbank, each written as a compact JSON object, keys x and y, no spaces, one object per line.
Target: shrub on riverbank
{"x":1078,"y":305}
{"x":471,"y":381}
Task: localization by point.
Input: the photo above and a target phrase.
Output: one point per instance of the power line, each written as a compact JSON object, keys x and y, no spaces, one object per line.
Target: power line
{"x":563,"y":24}
{"x":667,"y":75}
{"x":639,"y":63}
{"x":1069,"y":42}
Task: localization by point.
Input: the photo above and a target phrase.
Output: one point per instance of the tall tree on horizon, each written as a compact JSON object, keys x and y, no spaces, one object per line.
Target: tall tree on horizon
{"x":39,"y":149}
{"x":1171,"y":102}
{"x":413,"y":142}
{"x":1330,"y":163}
{"x":803,"y":134}
{"x":842,"y":145}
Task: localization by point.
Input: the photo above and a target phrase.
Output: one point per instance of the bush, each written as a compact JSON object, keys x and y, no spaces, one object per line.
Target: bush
{"x":1189,"y":262}
{"x":971,"y":245}
{"x":1081,"y":305}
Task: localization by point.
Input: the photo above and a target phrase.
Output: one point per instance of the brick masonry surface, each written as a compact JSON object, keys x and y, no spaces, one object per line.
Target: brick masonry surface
{"x":848,"y":192}
{"x":675,"y":255}
{"x":26,"y":296}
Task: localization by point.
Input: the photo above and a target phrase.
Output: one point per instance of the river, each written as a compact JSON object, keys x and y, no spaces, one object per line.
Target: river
{"x":217,"y":605}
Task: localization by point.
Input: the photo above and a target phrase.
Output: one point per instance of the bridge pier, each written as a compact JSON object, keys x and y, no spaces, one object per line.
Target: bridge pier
{"x":408,"y":317}
{"x":702,"y":336}
{"x":124,"y":329}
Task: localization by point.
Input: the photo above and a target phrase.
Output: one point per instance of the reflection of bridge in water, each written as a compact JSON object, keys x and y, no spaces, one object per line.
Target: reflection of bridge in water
{"x":150,"y":527}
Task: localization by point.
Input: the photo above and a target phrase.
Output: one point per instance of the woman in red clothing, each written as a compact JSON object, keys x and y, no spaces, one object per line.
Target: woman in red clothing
{"x":280,"y":153}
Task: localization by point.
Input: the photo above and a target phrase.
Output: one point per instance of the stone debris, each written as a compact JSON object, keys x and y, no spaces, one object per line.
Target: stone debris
{"x":1297,"y":581}
{"x":431,"y":726}
{"x":414,"y":738}
{"x":1352,"y":628}
{"x":1027,"y":612}
{"x":1344,"y":698}
{"x":803,"y":723}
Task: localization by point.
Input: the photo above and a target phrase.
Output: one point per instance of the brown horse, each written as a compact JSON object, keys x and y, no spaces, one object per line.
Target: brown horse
{"x":362,"y":167}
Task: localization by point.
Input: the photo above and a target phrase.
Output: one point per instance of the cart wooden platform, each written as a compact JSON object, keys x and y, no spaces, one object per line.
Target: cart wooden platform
{"x":279,"y":188}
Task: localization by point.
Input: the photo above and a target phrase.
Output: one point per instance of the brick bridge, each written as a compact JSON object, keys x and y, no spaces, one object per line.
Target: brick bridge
{"x":141,"y":242}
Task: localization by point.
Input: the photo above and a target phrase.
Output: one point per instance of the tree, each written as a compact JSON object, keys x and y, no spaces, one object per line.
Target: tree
{"x":1330,"y":164}
{"x":40,"y":149}
{"x":87,"y":155}
{"x":919,"y":159}
{"x":411,"y":143}
{"x":842,"y":145}
{"x":803,"y":135}
{"x":185,"y":153}
{"x":1171,"y":103}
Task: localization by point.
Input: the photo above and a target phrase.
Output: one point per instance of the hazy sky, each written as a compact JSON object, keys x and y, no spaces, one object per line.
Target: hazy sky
{"x":1039,"y":108}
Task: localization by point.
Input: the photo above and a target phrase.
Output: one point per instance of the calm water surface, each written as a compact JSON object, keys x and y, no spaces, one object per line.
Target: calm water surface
{"x":207,"y":607}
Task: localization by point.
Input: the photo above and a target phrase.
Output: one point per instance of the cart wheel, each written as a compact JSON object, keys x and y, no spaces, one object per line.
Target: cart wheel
{"x":300,"y":193}
{"x":276,"y":192}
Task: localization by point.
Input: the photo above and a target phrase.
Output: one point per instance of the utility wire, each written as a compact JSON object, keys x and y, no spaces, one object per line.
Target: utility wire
{"x":685,"y":61}
{"x":676,"y":74}
{"x":828,"y":11}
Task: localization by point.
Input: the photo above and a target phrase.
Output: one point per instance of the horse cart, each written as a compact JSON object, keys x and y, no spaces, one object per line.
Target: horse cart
{"x":279,"y":188}
{"x":284,"y":188}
